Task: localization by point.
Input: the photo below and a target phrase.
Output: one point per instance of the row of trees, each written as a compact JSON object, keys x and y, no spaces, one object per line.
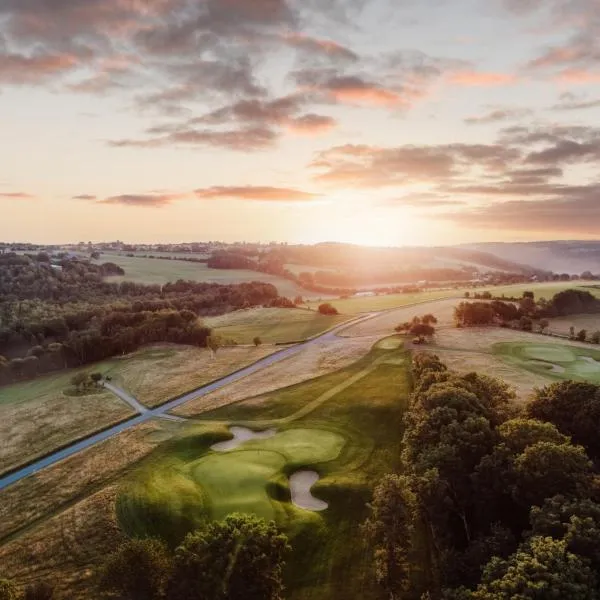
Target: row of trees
{"x":498,"y":503}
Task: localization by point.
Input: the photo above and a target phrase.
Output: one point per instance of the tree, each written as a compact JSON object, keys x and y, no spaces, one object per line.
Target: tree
{"x":257,"y":341}
{"x":581,"y":335}
{"x":542,"y":568}
{"x":328,"y":309}
{"x":39,"y":591}
{"x":422,"y":330}
{"x":8,"y":590}
{"x":96,"y":377}
{"x":546,"y":469}
{"x":429,"y":319}
{"x":595,"y":337}
{"x":213,"y":343}
{"x":138,"y":570}
{"x":572,"y":332}
{"x":240,"y":558}
{"x":79,"y":380}
{"x":574,"y":407}
{"x":544,"y":324}
{"x":519,"y":434}
{"x":388,"y":530}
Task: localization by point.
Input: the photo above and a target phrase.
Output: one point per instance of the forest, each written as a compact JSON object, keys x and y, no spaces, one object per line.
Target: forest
{"x":55,"y":315}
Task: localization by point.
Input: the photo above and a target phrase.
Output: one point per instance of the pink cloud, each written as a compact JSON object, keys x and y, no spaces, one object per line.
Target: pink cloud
{"x":482,"y":79}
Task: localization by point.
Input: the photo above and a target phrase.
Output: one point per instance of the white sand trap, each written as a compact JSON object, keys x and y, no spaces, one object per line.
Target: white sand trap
{"x":300,"y":484}
{"x":390,"y":343}
{"x":549,"y":366}
{"x":241,"y":435}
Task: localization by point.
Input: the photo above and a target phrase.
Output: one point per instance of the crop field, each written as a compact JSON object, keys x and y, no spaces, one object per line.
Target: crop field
{"x":40,"y":415}
{"x":345,"y":426}
{"x":156,"y":374}
{"x":155,"y":271}
{"x":272,"y":325}
{"x":553,"y":360}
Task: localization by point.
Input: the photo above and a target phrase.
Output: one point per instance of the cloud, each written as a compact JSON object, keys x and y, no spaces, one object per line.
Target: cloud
{"x":21,"y":69}
{"x":16,"y":195}
{"x":481,"y":79}
{"x":143,"y":200}
{"x":84,"y":197}
{"x":249,"y":139}
{"x":256,"y":193}
{"x":319,"y":47}
{"x":371,"y":166}
{"x":503,"y":114}
{"x":311,"y":124}
{"x":578,"y":214}
{"x":571,"y":102}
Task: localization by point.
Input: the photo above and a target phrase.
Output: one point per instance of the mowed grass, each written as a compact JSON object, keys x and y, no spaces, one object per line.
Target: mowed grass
{"x":36,"y":417}
{"x":351,"y":438}
{"x":556,"y":361}
{"x":272,"y":325}
{"x":156,"y":271}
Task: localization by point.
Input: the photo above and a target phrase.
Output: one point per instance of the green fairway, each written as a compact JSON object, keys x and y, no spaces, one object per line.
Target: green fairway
{"x":346,"y":426}
{"x":272,"y":325}
{"x":557,"y":361}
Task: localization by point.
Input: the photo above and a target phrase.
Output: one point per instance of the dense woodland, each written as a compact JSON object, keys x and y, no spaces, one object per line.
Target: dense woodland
{"x":65,"y":314}
{"x":494,"y":502}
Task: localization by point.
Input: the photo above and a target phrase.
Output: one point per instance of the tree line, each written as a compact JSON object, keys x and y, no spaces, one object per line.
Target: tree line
{"x":52,"y":318}
{"x":493,"y":502}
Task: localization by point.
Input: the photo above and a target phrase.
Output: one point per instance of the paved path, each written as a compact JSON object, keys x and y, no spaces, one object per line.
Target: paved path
{"x":161,"y":411}
{"x":117,"y":391}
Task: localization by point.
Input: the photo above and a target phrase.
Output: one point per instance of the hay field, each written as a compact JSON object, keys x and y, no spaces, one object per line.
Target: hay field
{"x":37,"y":416}
{"x":272,"y":325}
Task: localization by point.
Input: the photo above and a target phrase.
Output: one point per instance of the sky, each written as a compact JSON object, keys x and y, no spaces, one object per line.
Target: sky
{"x":378,"y":122}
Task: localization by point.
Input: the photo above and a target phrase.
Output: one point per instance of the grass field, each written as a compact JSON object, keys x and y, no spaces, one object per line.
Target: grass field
{"x":345,"y":425}
{"x":37,"y":416}
{"x":154,"y":375}
{"x":553,"y":360}
{"x":272,"y":325}
{"x":352,"y":306}
{"x":155,"y":271}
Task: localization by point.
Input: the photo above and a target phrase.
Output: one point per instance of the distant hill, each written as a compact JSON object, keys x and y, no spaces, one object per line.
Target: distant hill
{"x":572,"y":257}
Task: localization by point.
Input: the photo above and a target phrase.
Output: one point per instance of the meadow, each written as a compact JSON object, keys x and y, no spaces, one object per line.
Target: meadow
{"x":39,"y":416}
{"x":346,"y":426}
{"x":156,"y":271}
{"x":272,"y":325}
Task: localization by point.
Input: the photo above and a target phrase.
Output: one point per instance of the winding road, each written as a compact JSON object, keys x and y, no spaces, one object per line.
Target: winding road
{"x":147,"y":414}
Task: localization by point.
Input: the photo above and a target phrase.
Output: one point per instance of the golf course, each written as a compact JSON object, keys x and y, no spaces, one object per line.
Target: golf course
{"x":553,"y":360}
{"x":306,"y":456}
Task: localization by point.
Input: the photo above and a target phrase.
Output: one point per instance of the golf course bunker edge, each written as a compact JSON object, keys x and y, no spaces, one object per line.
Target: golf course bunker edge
{"x":301,"y":483}
{"x":241,"y":435}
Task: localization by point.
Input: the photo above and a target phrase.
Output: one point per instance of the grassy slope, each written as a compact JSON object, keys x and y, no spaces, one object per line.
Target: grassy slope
{"x":272,"y":325}
{"x":36,"y":417}
{"x":352,"y":306}
{"x":166,"y":496}
{"x":578,"y":363}
{"x":150,"y":270}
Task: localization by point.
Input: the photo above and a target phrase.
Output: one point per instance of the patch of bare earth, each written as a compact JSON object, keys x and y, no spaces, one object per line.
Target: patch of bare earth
{"x":315,"y":360}
{"x":384,"y":324}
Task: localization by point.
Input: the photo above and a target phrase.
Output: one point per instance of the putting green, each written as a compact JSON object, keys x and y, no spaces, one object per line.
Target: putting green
{"x":553,"y":360}
{"x":215,"y":484}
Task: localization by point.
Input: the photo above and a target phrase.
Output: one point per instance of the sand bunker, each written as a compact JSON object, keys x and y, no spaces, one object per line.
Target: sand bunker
{"x":300,"y":484}
{"x":241,"y":435}
{"x":390,"y":343}
{"x":549,"y":366}
{"x":591,"y":361}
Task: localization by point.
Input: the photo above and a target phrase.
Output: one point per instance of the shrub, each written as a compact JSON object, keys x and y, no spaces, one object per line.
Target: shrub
{"x":328,"y":309}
